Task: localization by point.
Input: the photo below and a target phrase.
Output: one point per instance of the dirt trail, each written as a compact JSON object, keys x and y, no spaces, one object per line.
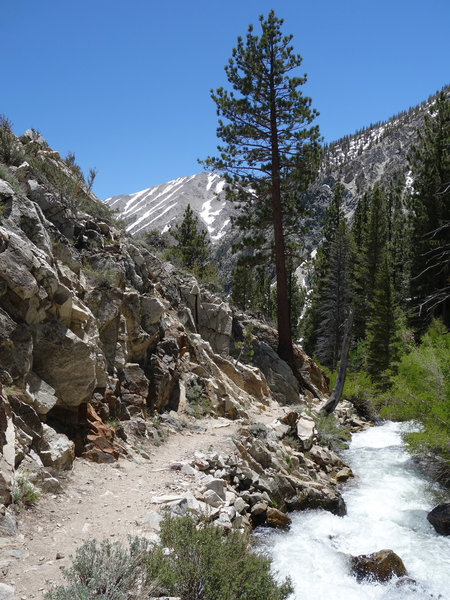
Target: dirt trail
{"x":104,"y":501}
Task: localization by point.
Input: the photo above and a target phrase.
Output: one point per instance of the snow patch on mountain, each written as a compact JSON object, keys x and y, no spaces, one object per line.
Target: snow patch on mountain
{"x":161,"y":206}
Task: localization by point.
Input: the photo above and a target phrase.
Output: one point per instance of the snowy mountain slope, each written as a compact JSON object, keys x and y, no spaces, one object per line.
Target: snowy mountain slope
{"x":373,"y":155}
{"x":161,"y":206}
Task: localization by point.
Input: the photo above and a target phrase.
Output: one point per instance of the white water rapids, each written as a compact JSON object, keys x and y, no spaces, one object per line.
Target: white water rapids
{"x":387,"y":505}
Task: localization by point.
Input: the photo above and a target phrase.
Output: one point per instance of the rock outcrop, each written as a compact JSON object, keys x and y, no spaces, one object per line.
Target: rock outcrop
{"x":94,"y":327}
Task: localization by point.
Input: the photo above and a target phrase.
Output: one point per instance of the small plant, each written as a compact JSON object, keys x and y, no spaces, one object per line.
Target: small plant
{"x":245,"y":346}
{"x":330,"y":433}
{"x":288,"y":460}
{"x":292,"y":441}
{"x":24,"y":493}
{"x":10,"y":178}
{"x":199,"y":402}
{"x":102,"y":277}
{"x":8,"y":142}
{"x":114,"y":423}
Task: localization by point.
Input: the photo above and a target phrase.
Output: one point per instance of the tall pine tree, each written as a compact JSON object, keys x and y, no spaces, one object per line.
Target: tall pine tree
{"x":383,"y":327}
{"x":334,"y":303}
{"x":270,"y":150}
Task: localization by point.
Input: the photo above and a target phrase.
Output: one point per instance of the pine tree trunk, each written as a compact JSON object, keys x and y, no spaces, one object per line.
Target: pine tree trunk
{"x":285,"y":349}
{"x":340,"y":380}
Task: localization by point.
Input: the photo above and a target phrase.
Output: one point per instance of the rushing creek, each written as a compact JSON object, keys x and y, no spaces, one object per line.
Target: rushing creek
{"x":387,"y":505}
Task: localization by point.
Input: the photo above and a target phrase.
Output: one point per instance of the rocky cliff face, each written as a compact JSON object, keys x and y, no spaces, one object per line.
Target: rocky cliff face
{"x":93,"y":327}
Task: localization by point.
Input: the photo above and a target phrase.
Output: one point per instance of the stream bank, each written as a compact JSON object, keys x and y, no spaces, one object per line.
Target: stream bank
{"x":387,"y":505}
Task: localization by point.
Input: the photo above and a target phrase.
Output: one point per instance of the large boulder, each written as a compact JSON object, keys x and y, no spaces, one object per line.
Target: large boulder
{"x":56,"y":450}
{"x":16,"y":346}
{"x":306,"y":431}
{"x":65,"y":362}
{"x":278,"y":374}
{"x":439,"y":517}
{"x":379,"y":566}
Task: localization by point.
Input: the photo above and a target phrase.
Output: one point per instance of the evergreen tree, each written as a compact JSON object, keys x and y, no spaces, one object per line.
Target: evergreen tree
{"x":270,"y":149}
{"x":334,"y":216}
{"x":334,"y":303}
{"x":242,"y":287}
{"x":383,"y":327}
{"x":370,"y":237}
{"x":193,"y":244}
{"x":430,"y":214}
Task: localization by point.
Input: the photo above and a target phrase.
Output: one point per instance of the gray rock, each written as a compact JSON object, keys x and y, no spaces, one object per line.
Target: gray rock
{"x":212,"y":499}
{"x":8,"y":522}
{"x":41,"y":394}
{"x":216,"y":485}
{"x":306,"y":431}
{"x":150,"y":521}
{"x":6,"y":592}
{"x":56,"y":450}
{"x":65,"y":362}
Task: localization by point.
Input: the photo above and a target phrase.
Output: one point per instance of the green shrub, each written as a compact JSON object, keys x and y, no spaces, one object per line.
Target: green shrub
{"x":330,"y":433}
{"x":10,"y":178}
{"x":106,"y":571}
{"x":421,"y":392}
{"x":24,"y":494}
{"x":194,"y":562}
{"x":199,"y":402}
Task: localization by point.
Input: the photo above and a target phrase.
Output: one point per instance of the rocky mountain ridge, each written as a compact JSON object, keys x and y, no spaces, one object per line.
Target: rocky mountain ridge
{"x":375,"y":154}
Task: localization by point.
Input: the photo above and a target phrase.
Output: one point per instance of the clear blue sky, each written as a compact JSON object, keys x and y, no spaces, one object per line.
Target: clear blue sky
{"x":125,"y":85}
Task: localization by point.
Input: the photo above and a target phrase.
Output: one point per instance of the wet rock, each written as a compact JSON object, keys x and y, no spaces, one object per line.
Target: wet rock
{"x":379,"y":566}
{"x":439,"y":517}
{"x":325,"y":499}
{"x":276,"y":518}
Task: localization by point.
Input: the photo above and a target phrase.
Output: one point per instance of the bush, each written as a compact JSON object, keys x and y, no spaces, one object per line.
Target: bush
{"x":194,"y":562}
{"x":199,"y":402}
{"x":107,"y":571}
{"x":24,"y":494}
{"x":330,"y":433}
{"x":421,"y":392}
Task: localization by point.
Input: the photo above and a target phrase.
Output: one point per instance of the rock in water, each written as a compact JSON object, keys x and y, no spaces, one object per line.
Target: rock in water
{"x":439,"y":517}
{"x":379,"y":566}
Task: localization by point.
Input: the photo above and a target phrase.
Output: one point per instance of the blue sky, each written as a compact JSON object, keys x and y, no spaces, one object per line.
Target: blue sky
{"x":125,"y":85}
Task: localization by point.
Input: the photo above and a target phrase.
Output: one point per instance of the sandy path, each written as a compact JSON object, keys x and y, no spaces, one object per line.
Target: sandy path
{"x":103,"y":501}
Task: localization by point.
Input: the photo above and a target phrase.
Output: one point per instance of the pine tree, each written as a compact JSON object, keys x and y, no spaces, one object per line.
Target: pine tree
{"x":270,"y":150}
{"x":382,"y":338}
{"x":193,"y":244}
{"x":334,"y":303}
{"x":334,"y":216}
{"x":430,"y":211}
{"x":370,"y":237}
